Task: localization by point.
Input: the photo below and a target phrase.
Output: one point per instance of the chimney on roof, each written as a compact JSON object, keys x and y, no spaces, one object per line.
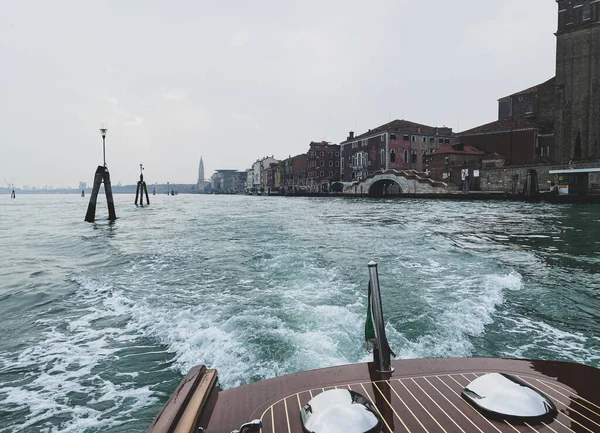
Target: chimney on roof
{"x":350,"y":135}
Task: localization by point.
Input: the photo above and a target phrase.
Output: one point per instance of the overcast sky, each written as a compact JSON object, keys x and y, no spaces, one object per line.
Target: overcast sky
{"x":237,"y":80}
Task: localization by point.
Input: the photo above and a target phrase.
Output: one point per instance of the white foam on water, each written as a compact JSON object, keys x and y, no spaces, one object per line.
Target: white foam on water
{"x":460,"y":311}
{"x":61,"y":366}
{"x":545,"y":338}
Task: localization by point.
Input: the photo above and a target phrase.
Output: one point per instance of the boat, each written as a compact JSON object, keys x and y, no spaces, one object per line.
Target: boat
{"x":461,"y":395}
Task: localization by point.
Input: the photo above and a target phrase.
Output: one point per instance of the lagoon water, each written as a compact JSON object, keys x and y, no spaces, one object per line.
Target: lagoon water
{"x":101,"y":321}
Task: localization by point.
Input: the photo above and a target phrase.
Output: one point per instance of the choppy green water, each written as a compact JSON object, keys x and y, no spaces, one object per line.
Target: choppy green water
{"x":100,"y":321}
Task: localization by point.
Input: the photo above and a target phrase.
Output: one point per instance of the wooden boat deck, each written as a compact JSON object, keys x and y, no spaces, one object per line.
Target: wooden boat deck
{"x":421,"y":396}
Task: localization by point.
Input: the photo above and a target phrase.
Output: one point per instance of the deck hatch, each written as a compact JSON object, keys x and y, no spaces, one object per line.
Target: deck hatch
{"x":501,"y":395}
{"x":340,"y":411}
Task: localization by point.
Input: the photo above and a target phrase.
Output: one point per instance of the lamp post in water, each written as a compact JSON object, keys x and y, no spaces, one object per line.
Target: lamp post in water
{"x":103,"y":130}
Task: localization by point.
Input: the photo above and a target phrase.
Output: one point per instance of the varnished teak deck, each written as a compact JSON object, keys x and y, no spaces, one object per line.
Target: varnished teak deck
{"x":421,"y":396}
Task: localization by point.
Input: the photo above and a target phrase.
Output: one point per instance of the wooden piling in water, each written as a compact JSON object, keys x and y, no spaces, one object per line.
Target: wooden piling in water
{"x":102,"y":175}
{"x":141,"y":189}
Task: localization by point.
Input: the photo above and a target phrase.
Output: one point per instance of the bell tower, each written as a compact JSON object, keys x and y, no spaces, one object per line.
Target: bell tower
{"x":577,"y":114}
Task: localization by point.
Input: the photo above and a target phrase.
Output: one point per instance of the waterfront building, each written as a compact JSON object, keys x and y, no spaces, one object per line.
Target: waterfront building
{"x":552,"y":127}
{"x":259,"y":180}
{"x":248,"y":185}
{"x":323,"y":165}
{"x":399,"y":145}
{"x":452,"y":163}
{"x":295,"y":173}
{"x":228,"y":181}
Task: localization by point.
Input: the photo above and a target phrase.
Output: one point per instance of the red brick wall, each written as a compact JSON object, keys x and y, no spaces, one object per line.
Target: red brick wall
{"x":516,"y":147}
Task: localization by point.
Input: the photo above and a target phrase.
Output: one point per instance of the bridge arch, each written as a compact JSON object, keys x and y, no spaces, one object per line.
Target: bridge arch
{"x":385,"y":188}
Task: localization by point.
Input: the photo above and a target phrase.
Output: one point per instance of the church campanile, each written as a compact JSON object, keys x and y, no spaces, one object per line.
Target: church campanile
{"x":201,"y":172}
{"x":577,"y":114}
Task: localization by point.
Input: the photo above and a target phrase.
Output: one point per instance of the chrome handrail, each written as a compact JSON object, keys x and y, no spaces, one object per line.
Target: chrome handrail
{"x":381,"y":351}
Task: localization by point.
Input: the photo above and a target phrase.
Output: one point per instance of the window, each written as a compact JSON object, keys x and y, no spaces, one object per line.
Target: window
{"x":337,"y":153}
{"x":529,"y":109}
{"x":353,"y":175}
{"x":413,"y":157}
{"x":392,"y":136}
{"x":413,"y":138}
{"x":322,"y":173}
{"x":587,"y":10}
{"x":440,"y":141}
{"x":406,"y":138}
{"x":322,"y":153}
{"x":424,"y":139}
{"x":331,"y":163}
{"x":322,"y":163}
{"x":383,"y":138}
{"x":447,"y":140}
{"x":337,"y":163}
{"x":432,"y":139}
{"x":382,"y":156}
{"x":406,"y":156}
{"x":342,"y":164}
{"x":392,"y":155}
{"x":331,"y":173}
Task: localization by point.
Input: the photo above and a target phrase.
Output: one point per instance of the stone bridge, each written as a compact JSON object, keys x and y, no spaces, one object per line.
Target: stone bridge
{"x":394,"y":182}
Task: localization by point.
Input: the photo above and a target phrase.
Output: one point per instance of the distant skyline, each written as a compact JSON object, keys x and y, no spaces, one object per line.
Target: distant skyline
{"x":237,"y":81}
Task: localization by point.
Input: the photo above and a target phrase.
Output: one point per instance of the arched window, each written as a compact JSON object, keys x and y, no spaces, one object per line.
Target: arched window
{"x":392,"y":155}
{"x":406,"y":156}
{"x":413,"y":157}
{"x":382,"y":155}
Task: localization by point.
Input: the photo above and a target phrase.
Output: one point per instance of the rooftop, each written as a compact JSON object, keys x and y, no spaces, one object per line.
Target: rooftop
{"x":401,"y":125}
{"x":459,"y":148}
{"x":530,"y":90}
{"x":510,"y":123}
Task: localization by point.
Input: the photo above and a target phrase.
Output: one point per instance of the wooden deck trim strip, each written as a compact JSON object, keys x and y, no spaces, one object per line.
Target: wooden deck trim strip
{"x":189,"y":418}
{"x":272,"y":420}
{"x":287,"y":416}
{"x":453,"y":405}
{"x":566,"y":406}
{"x":420,"y":404}
{"x":391,"y":406}
{"x":566,"y":389}
{"x":434,"y":402}
{"x":376,"y":408}
{"x":405,"y":405}
{"x":574,"y":401}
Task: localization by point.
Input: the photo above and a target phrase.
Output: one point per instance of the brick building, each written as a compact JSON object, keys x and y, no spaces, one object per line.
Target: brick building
{"x":400,"y":145}
{"x":323,"y":165}
{"x":520,"y":140}
{"x":295,"y":172}
{"x":577,"y":124}
{"x":450,"y":162}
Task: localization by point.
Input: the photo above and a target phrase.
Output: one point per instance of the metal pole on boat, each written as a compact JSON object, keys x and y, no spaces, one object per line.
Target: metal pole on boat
{"x":383,"y":360}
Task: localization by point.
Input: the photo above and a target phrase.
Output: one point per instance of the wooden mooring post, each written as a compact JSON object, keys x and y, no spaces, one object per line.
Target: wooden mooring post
{"x":141,"y":189}
{"x":102,"y":175}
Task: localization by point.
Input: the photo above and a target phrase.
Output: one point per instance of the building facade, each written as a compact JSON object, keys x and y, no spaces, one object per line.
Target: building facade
{"x":258,"y":179}
{"x":577,"y":124}
{"x":323,"y":161}
{"x":295,"y":173}
{"x":399,"y":145}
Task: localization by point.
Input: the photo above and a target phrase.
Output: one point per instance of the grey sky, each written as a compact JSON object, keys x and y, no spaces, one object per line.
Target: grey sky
{"x":237,"y":80}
